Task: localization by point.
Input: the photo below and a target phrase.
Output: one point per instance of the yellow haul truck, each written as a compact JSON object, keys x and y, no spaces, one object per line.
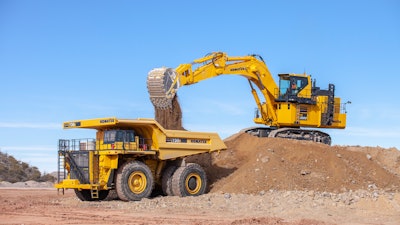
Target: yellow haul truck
{"x":131,"y":156}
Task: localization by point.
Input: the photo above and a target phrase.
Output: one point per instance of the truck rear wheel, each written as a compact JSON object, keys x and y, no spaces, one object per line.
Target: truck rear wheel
{"x":190,"y":180}
{"x":85,"y":195}
{"x":134,"y":181}
{"x":166,"y":180}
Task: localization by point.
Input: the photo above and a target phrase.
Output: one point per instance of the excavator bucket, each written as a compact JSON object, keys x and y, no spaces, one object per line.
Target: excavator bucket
{"x":162,"y":85}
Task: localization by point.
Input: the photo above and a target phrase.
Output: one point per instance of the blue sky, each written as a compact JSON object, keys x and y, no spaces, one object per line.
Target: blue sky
{"x":68,"y":60}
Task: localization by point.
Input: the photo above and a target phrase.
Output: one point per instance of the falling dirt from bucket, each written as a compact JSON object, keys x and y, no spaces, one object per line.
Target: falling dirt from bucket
{"x":170,"y":118}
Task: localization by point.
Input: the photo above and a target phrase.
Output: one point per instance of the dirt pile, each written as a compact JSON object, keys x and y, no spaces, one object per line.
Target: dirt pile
{"x":253,"y":165}
{"x":170,"y":118}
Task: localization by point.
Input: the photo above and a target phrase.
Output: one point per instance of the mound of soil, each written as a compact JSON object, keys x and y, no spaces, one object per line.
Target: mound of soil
{"x":261,"y":164}
{"x":252,"y":165}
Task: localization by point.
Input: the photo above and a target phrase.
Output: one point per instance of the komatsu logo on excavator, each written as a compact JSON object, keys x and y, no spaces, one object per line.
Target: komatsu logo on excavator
{"x":239,"y":69}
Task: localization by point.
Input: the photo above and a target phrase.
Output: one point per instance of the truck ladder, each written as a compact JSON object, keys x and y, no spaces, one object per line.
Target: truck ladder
{"x":94,"y":191}
{"x":61,"y":167}
{"x":61,"y":175}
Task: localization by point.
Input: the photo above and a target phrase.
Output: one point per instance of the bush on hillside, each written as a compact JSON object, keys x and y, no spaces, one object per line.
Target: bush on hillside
{"x":13,"y":170}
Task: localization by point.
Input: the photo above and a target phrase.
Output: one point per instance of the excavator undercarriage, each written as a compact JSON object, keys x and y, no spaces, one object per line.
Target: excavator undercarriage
{"x":290,"y":133}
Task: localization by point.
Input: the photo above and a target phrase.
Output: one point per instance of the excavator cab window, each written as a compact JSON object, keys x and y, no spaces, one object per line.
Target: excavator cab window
{"x":290,"y":86}
{"x":298,"y":83}
{"x":284,"y":86}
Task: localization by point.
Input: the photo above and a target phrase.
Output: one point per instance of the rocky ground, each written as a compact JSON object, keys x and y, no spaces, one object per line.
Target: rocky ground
{"x":44,"y":206}
{"x":255,"y":181}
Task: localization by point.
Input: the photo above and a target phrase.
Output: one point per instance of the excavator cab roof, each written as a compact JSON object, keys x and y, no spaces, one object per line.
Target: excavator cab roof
{"x":286,"y":76}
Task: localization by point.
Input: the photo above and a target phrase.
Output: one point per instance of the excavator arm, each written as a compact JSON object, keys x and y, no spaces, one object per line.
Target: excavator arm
{"x":163,"y":83}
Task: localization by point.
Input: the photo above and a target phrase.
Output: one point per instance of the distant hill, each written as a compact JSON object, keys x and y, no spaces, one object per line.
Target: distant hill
{"x":13,"y":170}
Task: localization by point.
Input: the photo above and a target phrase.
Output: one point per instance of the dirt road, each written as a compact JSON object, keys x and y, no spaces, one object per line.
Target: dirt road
{"x":44,"y":206}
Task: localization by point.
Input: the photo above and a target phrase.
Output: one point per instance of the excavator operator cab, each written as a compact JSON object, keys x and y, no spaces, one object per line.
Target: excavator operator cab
{"x":294,"y":88}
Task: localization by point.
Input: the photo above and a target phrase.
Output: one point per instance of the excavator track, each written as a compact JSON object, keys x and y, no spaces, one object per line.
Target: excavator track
{"x":159,"y":86}
{"x":290,"y":133}
{"x":301,"y":134}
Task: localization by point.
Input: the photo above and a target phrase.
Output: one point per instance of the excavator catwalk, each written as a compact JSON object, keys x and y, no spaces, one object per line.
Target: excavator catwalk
{"x":284,"y":108}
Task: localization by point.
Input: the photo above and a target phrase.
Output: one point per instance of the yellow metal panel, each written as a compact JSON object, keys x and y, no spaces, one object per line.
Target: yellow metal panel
{"x":306,"y":91}
{"x":67,"y":183}
{"x":322,"y":102}
{"x":177,"y":153}
{"x":340,"y":121}
{"x":195,"y":140}
{"x":313,"y":116}
{"x":108,"y":161}
{"x":91,"y":123}
{"x":286,"y":113}
{"x":91,"y":168}
{"x":106,"y":164}
{"x":72,"y":184}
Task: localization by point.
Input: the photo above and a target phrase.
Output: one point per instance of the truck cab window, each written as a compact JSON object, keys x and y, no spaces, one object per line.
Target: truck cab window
{"x":109,"y":136}
{"x":130,"y":136}
{"x":120,"y":137}
{"x":112,"y":136}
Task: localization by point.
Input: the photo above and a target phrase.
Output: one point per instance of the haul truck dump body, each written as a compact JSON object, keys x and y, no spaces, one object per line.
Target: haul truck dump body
{"x":132,"y":156}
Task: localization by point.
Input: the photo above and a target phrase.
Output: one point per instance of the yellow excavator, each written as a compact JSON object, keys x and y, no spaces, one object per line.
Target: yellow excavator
{"x":295,"y":103}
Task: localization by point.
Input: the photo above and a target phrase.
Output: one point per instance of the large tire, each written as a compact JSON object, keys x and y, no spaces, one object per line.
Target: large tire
{"x":134,"y":181}
{"x":190,"y":180}
{"x":112,"y":195}
{"x":85,"y":195}
{"x":166,"y":180}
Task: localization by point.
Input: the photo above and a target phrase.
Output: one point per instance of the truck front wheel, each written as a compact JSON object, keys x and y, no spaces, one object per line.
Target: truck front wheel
{"x":134,"y":181}
{"x":190,"y":180}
